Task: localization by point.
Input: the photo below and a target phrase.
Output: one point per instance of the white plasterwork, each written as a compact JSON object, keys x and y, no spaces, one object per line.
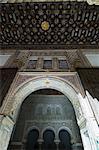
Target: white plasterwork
{"x":91,"y":123}
{"x":94,"y":104}
{"x":6,"y":126}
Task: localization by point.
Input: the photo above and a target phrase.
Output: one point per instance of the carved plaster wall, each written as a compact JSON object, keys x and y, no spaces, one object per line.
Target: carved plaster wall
{"x":46,"y":111}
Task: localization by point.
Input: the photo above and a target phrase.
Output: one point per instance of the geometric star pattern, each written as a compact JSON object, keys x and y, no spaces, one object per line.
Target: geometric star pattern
{"x":49,"y":25}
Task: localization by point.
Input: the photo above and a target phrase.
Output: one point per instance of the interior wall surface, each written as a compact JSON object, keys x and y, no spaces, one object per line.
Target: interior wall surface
{"x":42,"y":112}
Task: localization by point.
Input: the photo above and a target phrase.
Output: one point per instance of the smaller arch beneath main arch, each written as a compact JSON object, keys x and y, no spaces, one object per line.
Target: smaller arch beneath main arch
{"x":66,"y":129}
{"x":48,"y":128}
{"x":65,"y":140}
{"x":29,"y":130}
{"x":32,"y":139}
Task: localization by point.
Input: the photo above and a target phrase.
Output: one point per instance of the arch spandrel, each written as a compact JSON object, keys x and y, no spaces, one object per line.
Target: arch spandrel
{"x":22,"y":78}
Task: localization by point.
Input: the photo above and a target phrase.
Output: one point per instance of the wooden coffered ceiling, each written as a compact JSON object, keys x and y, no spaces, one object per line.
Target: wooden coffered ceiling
{"x":49,"y":25}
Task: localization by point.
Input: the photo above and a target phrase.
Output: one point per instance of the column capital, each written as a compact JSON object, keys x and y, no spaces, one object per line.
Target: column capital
{"x":40,"y":141}
{"x":57,"y":141}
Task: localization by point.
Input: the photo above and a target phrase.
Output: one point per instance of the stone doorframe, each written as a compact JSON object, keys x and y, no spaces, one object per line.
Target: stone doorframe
{"x":12,"y":103}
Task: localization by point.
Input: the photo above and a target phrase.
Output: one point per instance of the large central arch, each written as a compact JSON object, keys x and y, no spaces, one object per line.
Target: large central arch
{"x":26,"y":88}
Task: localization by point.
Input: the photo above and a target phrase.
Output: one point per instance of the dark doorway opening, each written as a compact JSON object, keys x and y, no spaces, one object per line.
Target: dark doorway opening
{"x":48,"y":138}
{"x":65,"y":140}
{"x":32,"y":138}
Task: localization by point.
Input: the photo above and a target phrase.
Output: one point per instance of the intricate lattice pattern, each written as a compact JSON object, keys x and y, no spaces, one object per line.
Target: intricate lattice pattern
{"x":28,"y":25}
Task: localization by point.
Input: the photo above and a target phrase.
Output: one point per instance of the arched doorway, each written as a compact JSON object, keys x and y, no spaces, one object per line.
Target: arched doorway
{"x":65,"y":140}
{"x":48,"y":137}
{"x":45,"y":108}
{"x":18,"y":93}
{"x":32,"y":140}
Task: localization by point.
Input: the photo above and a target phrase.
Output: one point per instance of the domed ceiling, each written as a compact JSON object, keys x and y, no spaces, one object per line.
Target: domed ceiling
{"x":46,"y":25}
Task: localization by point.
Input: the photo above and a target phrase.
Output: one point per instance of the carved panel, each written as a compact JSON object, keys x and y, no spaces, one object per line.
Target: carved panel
{"x":72,"y":78}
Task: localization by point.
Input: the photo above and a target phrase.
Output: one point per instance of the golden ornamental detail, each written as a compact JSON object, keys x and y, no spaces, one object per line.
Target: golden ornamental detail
{"x":45,"y":25}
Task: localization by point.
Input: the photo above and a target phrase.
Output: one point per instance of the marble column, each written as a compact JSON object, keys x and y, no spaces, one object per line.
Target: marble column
{"x":57,"y":144}
{"x":40,"y":141}
{"x":91,"y":128}
{"x":6,"y":127}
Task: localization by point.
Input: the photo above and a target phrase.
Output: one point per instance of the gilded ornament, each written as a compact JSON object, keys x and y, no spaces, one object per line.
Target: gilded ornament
{"x":45,"y":25}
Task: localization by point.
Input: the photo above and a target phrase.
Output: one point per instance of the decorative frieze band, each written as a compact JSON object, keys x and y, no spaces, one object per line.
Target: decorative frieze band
{"x":90,"y":2}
